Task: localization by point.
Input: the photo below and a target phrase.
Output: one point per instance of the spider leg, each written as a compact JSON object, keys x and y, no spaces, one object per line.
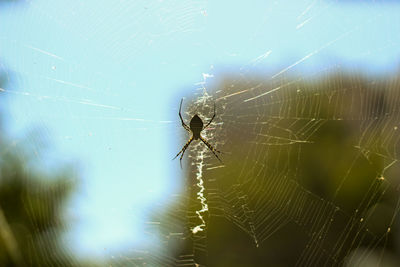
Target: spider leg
{"x":213,"y":150}
{"x":180,"y":116}
{"x":183,"y":150}
{"x":211,"y":118}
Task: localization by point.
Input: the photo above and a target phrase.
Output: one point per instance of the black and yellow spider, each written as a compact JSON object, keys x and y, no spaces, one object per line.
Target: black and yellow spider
{"x":196,"y":126}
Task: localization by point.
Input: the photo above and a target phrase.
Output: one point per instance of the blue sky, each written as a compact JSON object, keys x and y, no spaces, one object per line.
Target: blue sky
{"x":102,"y":80}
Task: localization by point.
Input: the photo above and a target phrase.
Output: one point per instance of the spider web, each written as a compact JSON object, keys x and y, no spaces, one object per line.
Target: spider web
{"x":266,"y":128}
{"x":310,"y":162}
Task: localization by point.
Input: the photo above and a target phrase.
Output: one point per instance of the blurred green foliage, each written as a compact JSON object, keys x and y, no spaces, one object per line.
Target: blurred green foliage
{"x":31,"y":207}
{"x":341,"y":168}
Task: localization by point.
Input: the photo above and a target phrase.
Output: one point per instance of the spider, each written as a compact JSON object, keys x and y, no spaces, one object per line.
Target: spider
{"x":196,"y":126}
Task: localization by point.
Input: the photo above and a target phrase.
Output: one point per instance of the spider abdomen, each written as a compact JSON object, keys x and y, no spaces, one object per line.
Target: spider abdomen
{"x":196,"y":125}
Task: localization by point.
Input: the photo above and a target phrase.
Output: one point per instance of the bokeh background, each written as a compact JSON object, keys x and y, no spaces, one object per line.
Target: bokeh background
{"x":307,"y":100}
